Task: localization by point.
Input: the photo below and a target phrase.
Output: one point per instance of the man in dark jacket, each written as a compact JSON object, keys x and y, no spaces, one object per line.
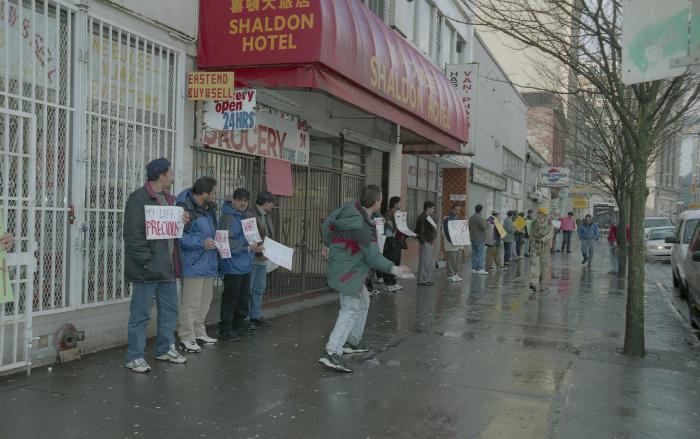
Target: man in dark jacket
{"x":153,"y":267}
{"x":236,"y":269}
{"x":425,"y":229}
{"x":477,"y":234}
{"x":264,"y":204}
{"x":200,"y":262}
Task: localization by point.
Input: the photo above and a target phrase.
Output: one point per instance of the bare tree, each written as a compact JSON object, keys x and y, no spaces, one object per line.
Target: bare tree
{"x":585,"y":36}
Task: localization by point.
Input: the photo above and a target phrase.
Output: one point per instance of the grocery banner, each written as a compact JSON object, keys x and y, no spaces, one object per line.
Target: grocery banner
{"x":237,"y":113}
{"x":277,"y":135}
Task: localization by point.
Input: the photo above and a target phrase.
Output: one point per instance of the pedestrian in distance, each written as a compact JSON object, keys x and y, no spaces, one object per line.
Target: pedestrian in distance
{"x":425,"y":231}
{"x":493,"y":243}
{"x":588,"y":233}
{"x":394,"y":244}
{"x":477,"y":234}
{"x":452,"y":251}
{"x":612,"y":245}
{"x":557,"y":230}
{"x":152,"y":267}
{"x":264,"y":205}
{"x":236,"y":269}
{"x":568,"y":226}
{"x":529,"y":219}
{"x":350,"y":244}
{"x":541,"y":234}
{"x":520,"y":231}
{"x":509,"y":239}
{"x":200,"y":262}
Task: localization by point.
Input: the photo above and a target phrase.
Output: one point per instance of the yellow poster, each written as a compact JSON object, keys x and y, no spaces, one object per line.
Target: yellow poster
{"x":5,"y":285}
{"x":501,"y":230}
{"x":519,"y":224}
{"x":580,"y":203}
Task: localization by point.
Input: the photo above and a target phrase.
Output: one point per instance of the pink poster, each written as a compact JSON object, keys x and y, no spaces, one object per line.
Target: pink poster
{"x":279,"y":177}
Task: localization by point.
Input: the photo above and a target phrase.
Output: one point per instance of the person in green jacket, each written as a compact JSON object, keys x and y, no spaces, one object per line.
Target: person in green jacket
{"x":350,"y":244}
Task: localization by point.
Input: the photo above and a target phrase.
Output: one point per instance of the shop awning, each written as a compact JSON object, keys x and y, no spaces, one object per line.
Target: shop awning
{"x":340,"y":47}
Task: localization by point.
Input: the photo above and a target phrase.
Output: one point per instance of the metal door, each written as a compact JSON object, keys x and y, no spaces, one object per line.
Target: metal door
{"x":17,"y":208}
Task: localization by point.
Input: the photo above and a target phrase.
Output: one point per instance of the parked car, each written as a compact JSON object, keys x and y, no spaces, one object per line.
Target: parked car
{"x":657,"y":248}
{"x":656,"y":221}
{"x":685,"y":226}
{"x":693,"y":278}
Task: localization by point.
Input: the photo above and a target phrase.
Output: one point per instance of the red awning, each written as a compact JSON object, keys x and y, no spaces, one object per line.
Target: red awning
{"x":338,"y":46}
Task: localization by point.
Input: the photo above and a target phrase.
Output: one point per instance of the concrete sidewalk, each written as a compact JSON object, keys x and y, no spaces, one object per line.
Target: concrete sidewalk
{"x":480,"y":359}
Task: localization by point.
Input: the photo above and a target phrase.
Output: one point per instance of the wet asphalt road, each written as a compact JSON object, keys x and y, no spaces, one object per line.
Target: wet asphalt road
{"x":480,"y":359}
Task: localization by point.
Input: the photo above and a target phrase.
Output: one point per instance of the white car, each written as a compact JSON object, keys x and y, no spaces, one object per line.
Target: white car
{"x":656,"y":221}
{"x":685,"y":226}
{"x":692,"y":267}
{"x":657,"y":248}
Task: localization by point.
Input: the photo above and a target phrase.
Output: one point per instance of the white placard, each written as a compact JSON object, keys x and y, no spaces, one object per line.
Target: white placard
{"x":238,"y":113}
{"x":250,"y":230}
{"x":431,"y":222}
{"x":163,"y":222}
{"x":221,"y":242}
{"x":381,"y":240}
{"x":400,"y":219}
{"x":379,"y":224}
{"x":278,"y":253}
{"x":271,"y":266}
{"x":459,"y":232}
{"x":556,"y":224}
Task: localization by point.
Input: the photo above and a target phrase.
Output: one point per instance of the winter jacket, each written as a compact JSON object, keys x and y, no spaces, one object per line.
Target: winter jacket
{"x":265,"y":228}
{"x":147,"y":261}
{"x":510,"y":230}
{"x":588,"y":232}
{"x":449,"y":247}
{"x":424,"y":230}
{"x":612,"y":234}
{"x":351,"y":238}
{"x":477,"y":228}
{"x":540,"y":235}
{"x":241,"y":260}
{"x":196,"y":260}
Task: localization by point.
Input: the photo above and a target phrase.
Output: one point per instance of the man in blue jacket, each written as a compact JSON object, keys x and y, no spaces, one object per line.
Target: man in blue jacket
{"x":236,"y":269}
{"x":587,"y":233}
{"x":200,"y":262}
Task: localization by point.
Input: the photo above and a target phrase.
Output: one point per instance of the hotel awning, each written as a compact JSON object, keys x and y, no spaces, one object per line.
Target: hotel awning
{"x":339,"y":47}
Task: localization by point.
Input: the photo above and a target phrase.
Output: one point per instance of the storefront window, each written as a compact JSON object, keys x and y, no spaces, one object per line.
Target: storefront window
{"x":326,"y":153}
{"x":412,"y":170}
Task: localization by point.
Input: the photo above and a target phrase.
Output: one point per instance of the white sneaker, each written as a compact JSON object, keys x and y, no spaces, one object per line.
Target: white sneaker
{"x":390,"y":288}
{"x":453,"y":279}
{"x":398,"y":287}
{"x":482,"y":272}
{"x":191,"y":346}
{"x":172,"y":356}
{"x":207,"y":340}
{"x":459,"y":279}
{"x":138,"y":365}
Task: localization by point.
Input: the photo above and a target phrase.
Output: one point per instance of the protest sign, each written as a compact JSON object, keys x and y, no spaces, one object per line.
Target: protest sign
{"x":431,"y":222}
{"x":381,"y":240}
{"x":400,"y":219}
{"x":501,"y":231}
{"x":250,"y":230}
{"x":278,"y":253}
{"x":221,"y":242}
{"x":556,"y":224}
{"x":163,"y":222}
{"x":519,"y":224}
{"x":379,"y":224}
{"x":6,"y":295}
{"x":459,"y":232}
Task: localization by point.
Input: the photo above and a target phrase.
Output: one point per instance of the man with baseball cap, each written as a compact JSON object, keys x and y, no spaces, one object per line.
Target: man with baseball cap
{"x":540,"y":242}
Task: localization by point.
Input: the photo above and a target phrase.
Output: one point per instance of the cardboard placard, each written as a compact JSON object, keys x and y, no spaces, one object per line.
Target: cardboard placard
{"x":278,"y":253}
{"x":501,"y":230}
{"x":163,"y":222}
{"x":519,"y":224}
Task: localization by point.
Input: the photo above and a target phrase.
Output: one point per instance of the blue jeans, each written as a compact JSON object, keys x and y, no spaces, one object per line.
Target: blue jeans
{"x":478,"y":255}
{"x":142,"y":295}
{"x":258,"y":283}
{"x":587,"y":249}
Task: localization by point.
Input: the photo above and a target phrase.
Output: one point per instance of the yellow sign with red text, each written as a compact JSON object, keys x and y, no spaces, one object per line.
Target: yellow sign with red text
{"x":209,"y":86}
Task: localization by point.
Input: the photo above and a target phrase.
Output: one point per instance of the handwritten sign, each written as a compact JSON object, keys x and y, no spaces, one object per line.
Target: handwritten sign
{"x":400,"y":219}
{"x":459,"y":232}
{"x":221,"y":242}
{"x":431,"y":222}
{"x":250,"y":230}
{"x":163,"y":222}
{"x":5,"y":285}
{"x":379,"y":224}
{"x":278,"y":253}
{"x":501,"y":231}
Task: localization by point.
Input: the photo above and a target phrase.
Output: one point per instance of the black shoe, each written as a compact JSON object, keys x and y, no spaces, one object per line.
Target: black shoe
{"x":533,"y":288}
{"x":246,"y":331}
{"x":262,"y":321}
{"x":335,"y":362}
{"x":584,"y":261}
{"x":569,"y":251}
{"x":359,"y":348}
{"x":229,"y":336}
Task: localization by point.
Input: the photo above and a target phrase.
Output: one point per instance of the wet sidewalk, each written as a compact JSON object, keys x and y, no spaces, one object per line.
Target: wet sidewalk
{"x":480,"y":359}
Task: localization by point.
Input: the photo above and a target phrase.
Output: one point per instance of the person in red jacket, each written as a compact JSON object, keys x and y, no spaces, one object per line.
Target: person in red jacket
{"x":612,"y":244}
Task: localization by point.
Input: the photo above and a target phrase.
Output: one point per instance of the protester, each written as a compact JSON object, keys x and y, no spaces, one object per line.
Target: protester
{"x":426,"y":235}
{"x":236,"y":269}
{"x":453,"y":252}
{"x":528,"y":226}
{"x":152,"y":266}
{"x":509,"y":239}
{"x":349,"y":238}
{"x":395,"y":242}
{"x":477,"y":234}
{"x":520,"y":232}
{"x":493,"y":243}
{"x":541,"y":233}
{"x":587,"y":233}
{"x":264,"y":204}
{"x":200,"y":262}
{"x":568,"y":226}
{"x":612,"y":244}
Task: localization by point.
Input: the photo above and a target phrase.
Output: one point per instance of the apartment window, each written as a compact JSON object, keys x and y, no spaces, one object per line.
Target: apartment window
{"x":512,"y":165}
{"x":376,"y":6}
{"x":461,"y":50}
{"x":422,"y":20}
{"x":452,"y":55}
{"x":437,"y":56}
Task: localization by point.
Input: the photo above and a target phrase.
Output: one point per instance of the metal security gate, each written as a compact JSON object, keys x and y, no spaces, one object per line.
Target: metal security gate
{"x":316,"y":193}
{"x":17,"y":210}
